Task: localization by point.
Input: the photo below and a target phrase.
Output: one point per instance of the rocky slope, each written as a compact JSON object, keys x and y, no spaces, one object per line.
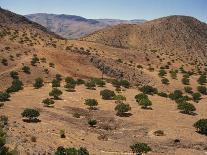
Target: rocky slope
{"x":70,"y":26}
{"x":180,"y":36}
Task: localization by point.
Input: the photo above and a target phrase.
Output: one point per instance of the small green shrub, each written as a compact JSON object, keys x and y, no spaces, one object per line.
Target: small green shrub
{"x":90,"y":85}
{"x":80,"y":81}
{"x":202,"y":79}
{"x":92,"y":103}
{"x":14,"y":75}
{"x":140,"y":148}
{"x":70,"y":80}
{"x":165,"y":81}
{"x":48,"y":102}
{"x":148,"y":90}
{"x":202,"y":90}
{"x":38,"y":83}
{"x":15,"y":87}
{"x":71,"y":151}
{"x":196,"y":97}
{"x":185,"y":81}
{"x":122,"y":109}
{"x":162,"y":73}
{"x":201,"y":126}
{"x":186,"y":108}
{"x":107,"y":94}
{"x":188,"y":89}
{"x":70,"y":87}
{"x":162,"y":94}
{"x":4,"y":96}
{"x":55,"y":83}
{"x":26,"y":69}
{"x":92,"y":122}
{"x":55,"y":93}
{"x":31,"y":114}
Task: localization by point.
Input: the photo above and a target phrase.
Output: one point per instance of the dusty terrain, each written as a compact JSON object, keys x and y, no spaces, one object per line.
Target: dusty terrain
{"x":112,"y":135}
{"x":137,"y":60}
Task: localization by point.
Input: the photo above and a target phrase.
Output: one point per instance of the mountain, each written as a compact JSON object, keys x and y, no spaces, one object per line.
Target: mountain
{"x":152,"y":58}
{"x":181,"y":36}
{"x":70,"y":26}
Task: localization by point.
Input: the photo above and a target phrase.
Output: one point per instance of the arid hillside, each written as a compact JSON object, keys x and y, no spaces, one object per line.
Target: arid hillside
{"x":181,"y":36}
{"x":137,"y":89}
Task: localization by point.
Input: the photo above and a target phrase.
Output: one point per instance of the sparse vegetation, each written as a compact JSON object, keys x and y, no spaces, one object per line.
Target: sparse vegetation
{"x":31,"y":114}
{"x":196,"y":97}
{"x":140,"y":148}
{"x":38,"y":83}
{"x":15,"y":87}
{"x":55,"y":83}
{"x":188,"y":89}
{"x":26,"y":69}
{"x":202,"y":90}
{"x":92,"y":103}
{"x":71,"y":151}
{"x":202,"y":79}
{"x":14,"y":75}
{"x":92,"y":122}
{"x":55,"y":93}
{"x":48,"y":102}
{"x":4,"y":96}
{"x":122,"y":109}
{"x":107,"y":94}
{"x":90,"y":85}
{"x":186,"y":108}
{"x":143,"y":100}
{"x":201,"y":126}
{"x":148,"y":90}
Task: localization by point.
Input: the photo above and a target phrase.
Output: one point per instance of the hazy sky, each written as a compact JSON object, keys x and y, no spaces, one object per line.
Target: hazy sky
{"x":120,"y":9}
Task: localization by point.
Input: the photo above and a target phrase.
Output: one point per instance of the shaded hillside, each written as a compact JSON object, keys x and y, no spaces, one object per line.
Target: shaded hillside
{"x":70,"y":26}
{"x":183,"y":36}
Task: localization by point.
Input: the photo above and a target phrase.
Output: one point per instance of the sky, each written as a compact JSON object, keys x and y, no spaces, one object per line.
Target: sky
{"x":114,"y":9}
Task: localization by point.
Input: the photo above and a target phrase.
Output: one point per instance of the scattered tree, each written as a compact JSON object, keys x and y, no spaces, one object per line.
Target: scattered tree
{"x":15,"y":87}
{"x":140,"y":148}
{"x":201,"y":126}
{"x":202,"y":79}
{"x":165,"y":81}
{"x":107,"y":94}
{"x":70,"y":87}
{"x":26,"y":69}
{"x":122,"y":109}
{"x":186,"y":108}
{"x":4,"y":96}
{"x":38,"y":83}
{"x":48,"y":102}
{"x":196,"y":97}
{"x":55,"y":83}
{"x":188,"y":89}
{"x":90,"y":85}
{"x":202,"y":90}
{"x":31,"y":114}
{"x":148,"y":90}
{"x":55,"y":93}
{"x":71,"y":151}
{"x":14,"y":75}
{"x":92,"y":103}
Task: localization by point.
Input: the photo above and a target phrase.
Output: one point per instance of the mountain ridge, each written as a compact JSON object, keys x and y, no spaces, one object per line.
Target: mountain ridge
{"x":72,"y":26}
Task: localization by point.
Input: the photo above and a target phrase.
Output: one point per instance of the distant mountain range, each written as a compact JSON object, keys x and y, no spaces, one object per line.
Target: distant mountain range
{"x":71,"y":26}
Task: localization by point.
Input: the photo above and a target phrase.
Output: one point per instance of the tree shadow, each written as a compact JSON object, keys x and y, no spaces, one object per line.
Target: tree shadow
{"x":124,"y":114}
{"x":35,"y":120}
